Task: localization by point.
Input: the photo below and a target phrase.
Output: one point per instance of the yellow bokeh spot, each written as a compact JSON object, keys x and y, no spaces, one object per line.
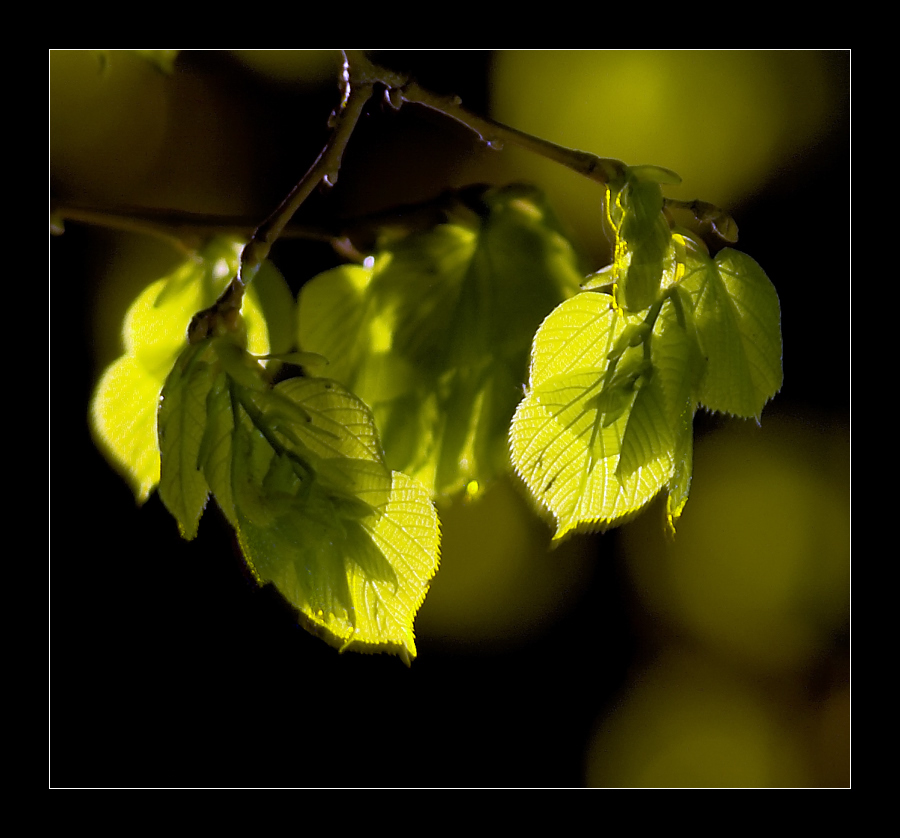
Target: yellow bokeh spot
{"x":726,"y":121}
{"x":759,"y":568}
{"x":381,"y":332}
{"x":109,"y":112}
{"x":685,"y":723}
{"x":500,"y":583}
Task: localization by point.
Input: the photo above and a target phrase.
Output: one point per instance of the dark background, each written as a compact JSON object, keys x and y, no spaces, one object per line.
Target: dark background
{"x":169,"y":667}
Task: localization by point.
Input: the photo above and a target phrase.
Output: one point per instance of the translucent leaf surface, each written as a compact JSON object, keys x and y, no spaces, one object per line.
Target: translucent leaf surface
{"x":606,"y":422}
{"x":298,"y":470}
{"x":123,"y":419}
{"x":125,"y":401}
{"x":643,"y":250}
{"x":350,"y":544}
{"x":356,"y":580}
{"x":595,"y":438}
{"x":434,"y":333}
{"x":737,"y":318}
{"x":216,"y":446}
{"x":182,"y":424}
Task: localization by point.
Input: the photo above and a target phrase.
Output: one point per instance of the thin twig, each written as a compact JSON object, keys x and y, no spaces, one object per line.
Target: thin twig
{"x":182,"y":229}
{"x":225,"y":310}
{"x":496,"y":135}
{"x":360,"y":77}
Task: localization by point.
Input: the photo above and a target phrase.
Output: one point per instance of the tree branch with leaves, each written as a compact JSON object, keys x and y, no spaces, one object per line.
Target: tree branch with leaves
{"x":427,"y":366}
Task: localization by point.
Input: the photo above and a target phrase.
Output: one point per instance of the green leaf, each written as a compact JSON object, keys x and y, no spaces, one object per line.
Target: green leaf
{"x":298,"y":470}
{"x":607,"y":419}
{"x":433,"y":333}
{"x":125,"y":400}
{"x":215,"y":454}
{"x":350,"y":544}
{"x":679,"y":486}
{"x":643,"y":251}
{"x":737,"y":317}
{"x":182,"y":425}
{"x":123,"y":421}
{"x":607,"y":412}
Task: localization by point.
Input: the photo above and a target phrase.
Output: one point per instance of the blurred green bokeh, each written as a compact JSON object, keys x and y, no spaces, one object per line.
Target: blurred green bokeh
{"x":499,"y":584}
{"x":728,"y":122}
{"x":686,"y":722}
{"x":759,"y":570}
{"x":745,"y":606}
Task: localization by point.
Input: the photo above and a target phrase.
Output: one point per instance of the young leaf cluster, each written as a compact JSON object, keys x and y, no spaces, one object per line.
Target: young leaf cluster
{"x":433,"y":332}
{"x":296,"y":467}
{"x":124,"y":406}
{"x":330,"y":483}
{"x":618,"y":371}
{"x":299,"y":473}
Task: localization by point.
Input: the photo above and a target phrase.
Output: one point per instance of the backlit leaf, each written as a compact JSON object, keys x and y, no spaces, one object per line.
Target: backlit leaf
{"x":182,"y":424}
{"x":735,"y":310}
{"x":125,"y":401}
{"x":606,"y":414}
{"x":350,"y":544}
{"x":433,"y":334}
{"x":607,"y":419}
{"x":643,"y":250}
{"x":215,"y":452}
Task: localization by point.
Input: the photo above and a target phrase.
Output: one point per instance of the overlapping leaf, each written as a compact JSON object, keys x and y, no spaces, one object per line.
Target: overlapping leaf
{"x":125,"y":401}
{"x":297,"y":469}
{"x":433,"y":333}
{"x":643,"y":248}
{"x":596,"y":436}
{"x":735,"y":311}
{"x":606,"y":422}
{"x":182,"y":421}
{"x":299,"y":472}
